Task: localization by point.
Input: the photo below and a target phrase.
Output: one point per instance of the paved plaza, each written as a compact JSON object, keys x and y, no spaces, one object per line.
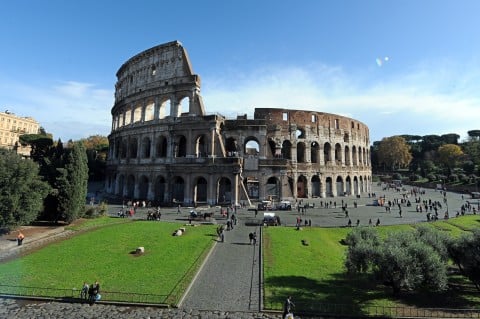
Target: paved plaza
{"x":228,"y":284}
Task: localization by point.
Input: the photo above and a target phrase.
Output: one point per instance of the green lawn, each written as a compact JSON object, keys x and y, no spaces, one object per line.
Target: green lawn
{"x":315,"y":274}
{"x":105,"y":254}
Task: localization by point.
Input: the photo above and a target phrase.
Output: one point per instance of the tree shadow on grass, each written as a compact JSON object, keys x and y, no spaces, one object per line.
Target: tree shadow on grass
{"x":359,"y":295}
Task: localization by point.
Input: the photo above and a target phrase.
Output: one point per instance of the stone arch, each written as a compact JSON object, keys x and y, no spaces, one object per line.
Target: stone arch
{"x":327,"y":150}
{"x":224,"y":190}
{"x":338,"y":154}
{"x":272,"y":189}
{"x":340,"y":185}
{"x":201,"y":149}
{"x":347,"y":156}
{"x":133,"y":147}
{"x":200,"y":190}
{"x":315,"y":182}
{"x":287,"y":149}
{"x":160,"y":188}
{"x":116,"y":151}
{"x":300,"y":133}
{"x":314,"y":148}
{"x":302,"y":187}
{"x":361,"y":184}
{"x":231,"y":146}
{"x":355,"y":186}
{"x":183,"y":105}
{"x":252,"y":146}
{"x":131,"y":186}
{"x":121,"y":185}
{"x":146,"y":144}
{"x":137,"y":113}
{"x":150,"y":111}
{"x":128,"y":117}
{"x":348,"y":185}
{"x":354,"y":156}
{"x":360,"y":160}
{"x":181,"y":146}
{"x":161,"y":147}
{"x":301,"y":149}
{"x":123,"y":148}
{"x":328,"y":187}
{"x":178,"y":189}
{"x":143,"y":187}
{"x":164,"y":109}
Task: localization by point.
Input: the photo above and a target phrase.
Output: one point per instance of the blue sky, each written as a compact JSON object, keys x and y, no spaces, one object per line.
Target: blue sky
{"x":401,"y":67}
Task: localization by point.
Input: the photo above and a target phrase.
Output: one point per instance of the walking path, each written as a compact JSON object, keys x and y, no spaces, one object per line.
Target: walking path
{"x":230,"y":278}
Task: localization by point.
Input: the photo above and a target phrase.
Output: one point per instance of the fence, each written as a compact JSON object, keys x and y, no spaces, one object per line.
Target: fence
{"x":74,"y":293}
{"x":376,"y":311}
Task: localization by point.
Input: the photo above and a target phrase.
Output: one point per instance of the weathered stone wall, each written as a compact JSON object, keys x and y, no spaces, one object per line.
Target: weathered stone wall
{"x":164,"y":150}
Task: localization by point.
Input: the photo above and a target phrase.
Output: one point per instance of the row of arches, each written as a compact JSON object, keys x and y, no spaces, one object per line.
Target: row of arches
{"x":152,"y":109}
{"x":223,"y":189}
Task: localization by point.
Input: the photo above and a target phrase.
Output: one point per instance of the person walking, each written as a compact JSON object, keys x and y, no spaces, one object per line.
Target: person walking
{"x":287,"y":308}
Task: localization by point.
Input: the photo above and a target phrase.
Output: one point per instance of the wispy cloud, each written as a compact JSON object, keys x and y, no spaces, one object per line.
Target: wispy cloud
{"x":68,"y":110}
{"x":430,"y":98}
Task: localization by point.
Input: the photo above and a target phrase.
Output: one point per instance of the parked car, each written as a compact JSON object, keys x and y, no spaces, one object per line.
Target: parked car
{"x":285,"y":205}
{"x":265,"y":205}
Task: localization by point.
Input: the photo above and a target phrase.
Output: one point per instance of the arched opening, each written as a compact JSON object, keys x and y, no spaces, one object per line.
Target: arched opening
{"x":143,"y":187}
{"x":302,"y":187}
{"x":137,"y":114}
{"x":181,"y":147}
{"x":271,"y":148}
{"x":356,"y":188}
{"x":121,"y":185}
{"x":252,"y":147}
{"x":340,"y":190}
{"x":354,"y":156}
{"x":200,"y":191}
{"x":224,"y":191}
{"x":361,"y":185}
{"x":329,"y":187}
{"x":201,"y":146}
{"x":252,"y":187}
{"x":123,"y":149}
{"x":347,"y":156}
{"x":231,"y":146}
{"x":128,"y":117}
{"x":130,"y":186}
{"x":287,"y":150}
{"x":301,"y":152}
{"x":338,"y":154}
{"x":150,"y":111}
{"x":314,"y":148}
{"x":164,"y":110}
{"x":146,"y":147}
{"x":178,"y":188}
{"x":348,"y":185}
{"x":315,"y":186}
{"x":327,"y":149}
{"x":183,"y":106}
{"x":160,"y":188}
{"x":300,"y":133}
{"x":272,"y":190}
{"x":161,"y":148}
{"x":133,"y":146}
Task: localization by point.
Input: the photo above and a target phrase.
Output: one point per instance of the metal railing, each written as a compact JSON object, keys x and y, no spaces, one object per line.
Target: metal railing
{"x":75,"y":293}
{"x":358,"y":310}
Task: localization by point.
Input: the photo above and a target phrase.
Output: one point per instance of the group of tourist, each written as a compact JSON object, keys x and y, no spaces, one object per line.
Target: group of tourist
{"x":90,"y":293}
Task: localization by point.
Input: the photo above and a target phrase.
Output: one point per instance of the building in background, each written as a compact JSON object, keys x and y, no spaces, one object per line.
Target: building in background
{"x":11,"y":127}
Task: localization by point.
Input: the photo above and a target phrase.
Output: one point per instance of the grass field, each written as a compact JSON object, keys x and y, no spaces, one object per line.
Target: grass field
{"x":315,"y":274}
{"x":105,"y":254}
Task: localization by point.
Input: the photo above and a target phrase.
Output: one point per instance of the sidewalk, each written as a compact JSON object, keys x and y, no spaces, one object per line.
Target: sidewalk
{"x":230,"y":278}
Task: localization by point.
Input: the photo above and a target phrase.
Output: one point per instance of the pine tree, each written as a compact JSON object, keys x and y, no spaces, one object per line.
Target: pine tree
{"x":72,"y":183}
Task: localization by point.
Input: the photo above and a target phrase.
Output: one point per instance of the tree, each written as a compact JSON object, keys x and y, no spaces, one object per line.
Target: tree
{"x":404,"y":260}
{"x":22,"y":190}
{"x":394,"y":152}
{"x":474,"y":135}
{"x":97,"y":150}
{"x":449,"y":154}
{"x":465,"y":253}
{"x":72,"y":183}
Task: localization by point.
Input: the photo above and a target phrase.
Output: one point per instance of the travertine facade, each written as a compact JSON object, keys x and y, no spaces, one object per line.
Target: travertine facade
{"x":11,"y":127}
{"x":165,"y":148}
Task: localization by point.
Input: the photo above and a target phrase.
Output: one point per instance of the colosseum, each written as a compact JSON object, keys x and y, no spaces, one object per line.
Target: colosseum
{"x":165,"y":148}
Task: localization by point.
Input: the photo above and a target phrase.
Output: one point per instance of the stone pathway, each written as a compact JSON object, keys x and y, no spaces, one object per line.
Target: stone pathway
{"x":230,"y":278}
